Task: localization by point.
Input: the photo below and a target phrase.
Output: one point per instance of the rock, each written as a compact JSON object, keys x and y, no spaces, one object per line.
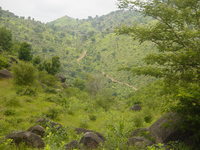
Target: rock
{"x":13,"y":60}
{"x":139,"y":141}
{"x":91,"y":140}
{"x":29,"y":138}
{"x":48,"y":123}
{"x":136,"y":107}
{"x":61,"y":78}
{"x":167,"y":128}
{"x":72,"y":145}
{"x":39,"y":130}
{"x":64,"y":85}
{"x":82,"y":130}
{"x":5,"y":74}
{"x":139,"y":132}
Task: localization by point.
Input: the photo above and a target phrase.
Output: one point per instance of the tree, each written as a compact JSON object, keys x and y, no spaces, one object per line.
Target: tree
{"x":175,"y":33}
{"x":5,"y":39}
{"x":24,"y":52}
{"x":53,"y":66}
{"x":24,"y":73}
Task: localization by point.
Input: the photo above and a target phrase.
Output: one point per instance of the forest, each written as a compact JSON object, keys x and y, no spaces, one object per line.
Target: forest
{"x":128,"y":80}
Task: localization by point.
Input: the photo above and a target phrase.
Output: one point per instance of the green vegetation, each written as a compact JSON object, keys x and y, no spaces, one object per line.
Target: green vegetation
{"x":90,"y":73}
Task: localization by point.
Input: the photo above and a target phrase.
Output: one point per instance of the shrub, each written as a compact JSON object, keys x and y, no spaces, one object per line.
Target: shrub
{"x":93,"y":117}
{"x":9,"y":112}
{"x":47,"y":79}
{"x":25,"y":52}
{"x":53,"y":113}
{"x":30,"y":91}
{"x":138,"y":121}
{"x":5,"y":39}
{"x":148,"y":119}
{"x":3,"y":62}
{"x":24,"y":73}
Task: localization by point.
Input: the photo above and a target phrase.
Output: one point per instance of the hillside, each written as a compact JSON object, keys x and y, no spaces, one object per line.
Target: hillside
{"x":68,"y":38}
{"x":128,"y":80}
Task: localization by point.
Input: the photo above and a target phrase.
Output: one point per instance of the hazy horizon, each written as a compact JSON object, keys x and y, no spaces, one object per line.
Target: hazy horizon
{"x":49,"y":10}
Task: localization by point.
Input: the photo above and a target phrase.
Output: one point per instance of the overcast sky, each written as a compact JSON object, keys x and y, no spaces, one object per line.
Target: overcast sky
{"x":48,"y":10}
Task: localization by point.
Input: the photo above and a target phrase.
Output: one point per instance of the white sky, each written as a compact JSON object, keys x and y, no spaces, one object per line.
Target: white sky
{"x":49,"y":10}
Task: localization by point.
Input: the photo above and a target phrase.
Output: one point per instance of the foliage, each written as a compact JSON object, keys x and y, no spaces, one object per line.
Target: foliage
{"x":24,"y":52}
{"x":3,"y":62}
{"x":47,"y":79}
{"x":24,"y":73}
{"x":5,"y":39}
{"x":52,"y":67}
{"x":175,"y":34}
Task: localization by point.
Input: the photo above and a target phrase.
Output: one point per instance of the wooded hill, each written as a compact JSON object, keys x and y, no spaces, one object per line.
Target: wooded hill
{"x":70,"y":38}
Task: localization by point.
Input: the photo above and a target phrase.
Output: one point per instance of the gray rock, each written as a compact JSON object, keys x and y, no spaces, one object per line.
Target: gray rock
{"x":82,"y":131}
{"x":167,"y":128}
{"x":72,"y":145}
{"x":91,"y":140}
{"x":5,"y":74}
{"x":39,"y":130}
{"x":29,"y":138}
{"x":62,"y":78}
{"x":136,"y":107}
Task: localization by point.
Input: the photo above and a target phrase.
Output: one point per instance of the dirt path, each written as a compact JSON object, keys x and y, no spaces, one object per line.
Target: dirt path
{"x":107,"y":76}
{"x":119,"y":82}
{"x":82,"y":56}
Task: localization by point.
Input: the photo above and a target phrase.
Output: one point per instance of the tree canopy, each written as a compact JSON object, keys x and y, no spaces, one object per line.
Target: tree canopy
{"x":5,"y":39}
{"x":175,"y":33}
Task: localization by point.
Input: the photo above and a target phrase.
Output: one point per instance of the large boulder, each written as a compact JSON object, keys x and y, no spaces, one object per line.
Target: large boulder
{"x":39,"y":130}
{"x":83,"y":131}
{"x":90,"y":140}
{"x":62,"y":78}
{"x":5,"y":74}
{"x":167,"y":128}
{"x":72,"y":145}
{"x":136,"y":107}
{"x":29,"y":138}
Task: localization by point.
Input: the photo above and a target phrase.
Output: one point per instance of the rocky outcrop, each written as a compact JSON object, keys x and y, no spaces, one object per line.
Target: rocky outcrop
{"x":5,"y":74}
{"x":29,"y":138}
{"x":39,"y":130}
{"x":72,"y":145}
{"x":90,"y":140}
{"x":167,"y":128}
{"x":82,"y":131}
{"x":136,"y":107}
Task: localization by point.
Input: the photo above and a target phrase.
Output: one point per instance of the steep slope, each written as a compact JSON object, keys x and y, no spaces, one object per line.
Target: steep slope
{"x":69,"y":38}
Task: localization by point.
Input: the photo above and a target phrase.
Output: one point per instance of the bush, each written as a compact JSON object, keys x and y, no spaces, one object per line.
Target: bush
{"x":9,"y":112}
{"x":3,"y":62}
{"x":138,"y":121}
{"x":53,"y":113}
{"x":25,"y":52}
{"x":24,"y":73}
{"x":93,"y":117}
{"x":30,"y":91}
{"x":47,"y":79}
{"x":148,"y":119}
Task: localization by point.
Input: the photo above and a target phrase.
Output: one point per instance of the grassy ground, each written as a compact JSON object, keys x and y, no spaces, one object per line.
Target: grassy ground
{"x":74,"y":108}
